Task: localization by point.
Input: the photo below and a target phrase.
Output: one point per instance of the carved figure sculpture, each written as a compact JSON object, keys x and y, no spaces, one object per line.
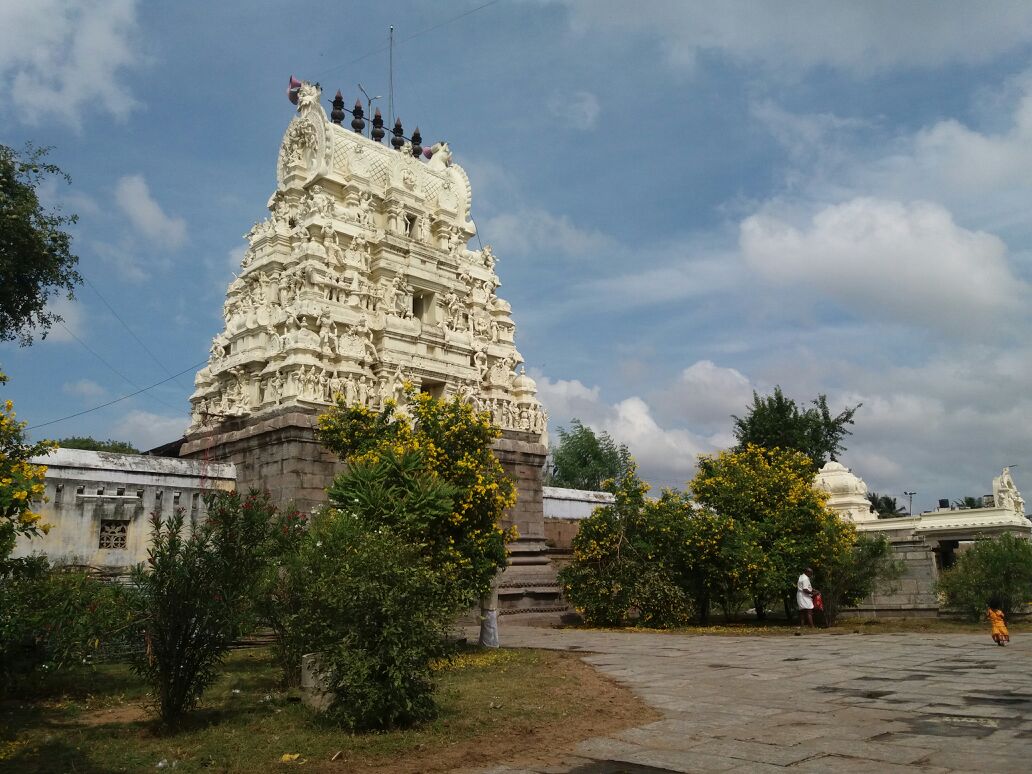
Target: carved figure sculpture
{"x":441,"y":158}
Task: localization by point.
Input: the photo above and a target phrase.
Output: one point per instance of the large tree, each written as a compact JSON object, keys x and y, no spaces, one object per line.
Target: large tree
{"x":777,"y":422}
{"x":36,"y":261}
{"x":585,"y":460}
{"x":770,"y":492}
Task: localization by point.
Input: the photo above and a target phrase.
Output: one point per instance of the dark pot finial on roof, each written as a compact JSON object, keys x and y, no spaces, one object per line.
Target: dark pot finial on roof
{"x":378,"y":131}
{"x":337,"y":114}
{"x":357,"y":123}
{"x":399,"y":135}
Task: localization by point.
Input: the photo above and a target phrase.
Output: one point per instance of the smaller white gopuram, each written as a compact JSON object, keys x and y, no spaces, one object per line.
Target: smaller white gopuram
{"x":360,"y":280}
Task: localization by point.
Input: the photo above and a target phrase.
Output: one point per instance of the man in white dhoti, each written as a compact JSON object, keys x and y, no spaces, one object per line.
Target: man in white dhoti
{"x":804,"y":598}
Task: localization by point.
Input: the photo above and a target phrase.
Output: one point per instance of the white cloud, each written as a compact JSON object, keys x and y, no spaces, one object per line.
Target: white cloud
{"x":536,"y":231}
{"x":666,"y":456}
{"x":134,"y":199}
{"x":909,"y":262}
{"x":146,"y":430}
{"x":62,"y":57}
{"x":87,"y":389}
{"x":979,"y":174}
{"x":705,"y":396}
{"x":71,"y":312}
{"x":942,"y":426}
{"x":578,"y":110}
{"x":677,"y":274}
{"x":859,"y":37}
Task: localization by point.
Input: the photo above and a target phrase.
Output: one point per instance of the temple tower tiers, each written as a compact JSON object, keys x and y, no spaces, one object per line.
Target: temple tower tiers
{"x":359,"y":280}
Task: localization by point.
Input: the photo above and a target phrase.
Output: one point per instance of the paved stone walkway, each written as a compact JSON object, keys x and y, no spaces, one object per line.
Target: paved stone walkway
{"x":817,"y":703}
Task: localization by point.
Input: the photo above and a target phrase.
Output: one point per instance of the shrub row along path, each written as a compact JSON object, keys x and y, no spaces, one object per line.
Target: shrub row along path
{"x":820,"y":702}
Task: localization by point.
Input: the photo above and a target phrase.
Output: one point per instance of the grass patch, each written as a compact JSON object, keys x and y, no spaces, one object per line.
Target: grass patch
{"x":494,"y":705}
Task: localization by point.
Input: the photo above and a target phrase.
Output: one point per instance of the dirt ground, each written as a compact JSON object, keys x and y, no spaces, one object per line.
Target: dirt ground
{"x":495,"y":706}
{"x":603,"y":707}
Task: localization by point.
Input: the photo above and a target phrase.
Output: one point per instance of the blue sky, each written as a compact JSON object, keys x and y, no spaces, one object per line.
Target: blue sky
{"x":690,"y":201}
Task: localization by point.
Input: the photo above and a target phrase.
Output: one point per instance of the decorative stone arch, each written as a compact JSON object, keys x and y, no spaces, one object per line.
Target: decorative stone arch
{"x":306,"y":151}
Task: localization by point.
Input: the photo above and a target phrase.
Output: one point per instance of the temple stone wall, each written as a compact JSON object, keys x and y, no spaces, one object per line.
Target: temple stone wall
{"x":914,"y":593}
{"x":923,"y":541}
{"x":280,"y":454}
{"x":99,"y":504}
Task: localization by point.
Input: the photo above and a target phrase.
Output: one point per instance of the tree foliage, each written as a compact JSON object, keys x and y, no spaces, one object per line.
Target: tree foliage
{"x":885,"y":506}
{"x":616,"y":561}
{"x":775,"y":421}
{"x":36,"y":260}
{"x":441,"y":440}
{"x":49,"y":619}
{"x":1000,"y":567}
{"x":53,"y":619}
{"x":92,"y":444}
{"x":770,"y":492}
{"x":755,"y":522}
{"x":411,"y":540}
{"x":376,"y":612}
{"x":585,"y":460}
{"x":852,"y":576}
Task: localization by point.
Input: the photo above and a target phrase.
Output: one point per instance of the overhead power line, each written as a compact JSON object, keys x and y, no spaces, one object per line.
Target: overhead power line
{"x":117,"y":400}
{"x":114,"y":370}
{"x":125,"y":325}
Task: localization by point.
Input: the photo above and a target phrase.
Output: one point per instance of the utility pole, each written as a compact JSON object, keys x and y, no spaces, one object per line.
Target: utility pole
{"x":911,"y":506}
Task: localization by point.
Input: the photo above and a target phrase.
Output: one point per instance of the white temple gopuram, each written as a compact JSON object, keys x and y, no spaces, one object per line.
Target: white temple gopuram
{"x":359,"y":280}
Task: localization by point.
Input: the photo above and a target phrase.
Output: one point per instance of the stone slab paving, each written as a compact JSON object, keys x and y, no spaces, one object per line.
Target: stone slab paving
{"x":821,"y":702}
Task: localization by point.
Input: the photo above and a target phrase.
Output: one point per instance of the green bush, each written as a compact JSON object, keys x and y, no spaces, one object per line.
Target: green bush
{"x":197,"y":593}
{"x":449,"y":442}
{"x":276,"y":596}
{"x":376,"y":612}
{"x":52,"y":620}
{"x":850,"y":577}
{"x":609,"y":557}
{"x":999,"y":567}
{"x":755,"y":523}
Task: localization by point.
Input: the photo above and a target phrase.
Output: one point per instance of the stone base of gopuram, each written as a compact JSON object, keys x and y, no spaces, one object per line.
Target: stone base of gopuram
{"x":528,"y":584}
{"x":280,"y":453}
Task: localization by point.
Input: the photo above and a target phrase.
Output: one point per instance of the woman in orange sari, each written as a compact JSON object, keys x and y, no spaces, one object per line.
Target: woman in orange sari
{"x":999,"y":624}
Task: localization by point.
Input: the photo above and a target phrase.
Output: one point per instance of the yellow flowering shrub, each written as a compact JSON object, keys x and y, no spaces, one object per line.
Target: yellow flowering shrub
{"x":448,"y":442}
{"x":21,"y":482}
{"x":624,"y":559}
{"x":752,"y":522}
{"x":771,"y":491}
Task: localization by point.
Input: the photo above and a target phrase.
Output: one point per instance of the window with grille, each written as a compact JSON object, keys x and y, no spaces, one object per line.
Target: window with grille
{"x":113,"y":533}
